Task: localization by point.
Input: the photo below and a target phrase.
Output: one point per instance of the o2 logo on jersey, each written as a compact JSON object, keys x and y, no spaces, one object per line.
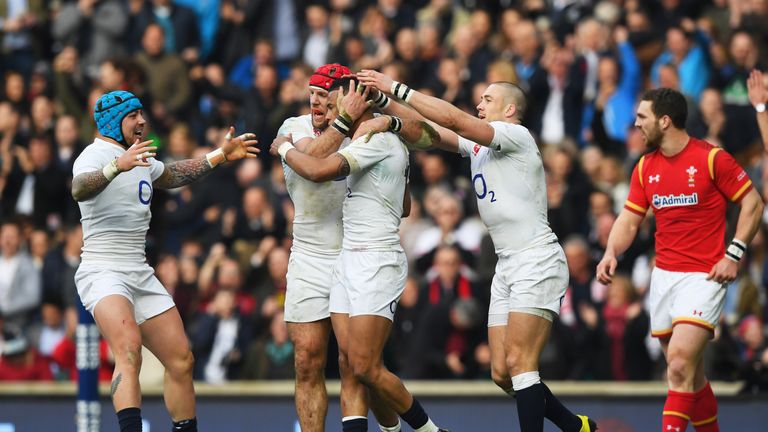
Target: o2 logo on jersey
{"x":145,"y":192}
{"x":483,"y":186}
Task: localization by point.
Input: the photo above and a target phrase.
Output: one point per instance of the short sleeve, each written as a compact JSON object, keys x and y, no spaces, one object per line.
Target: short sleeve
{"x":510,"y":137}
{"x":465,"y":146}
{"x":637,"y":202}
{"x":297,"y":128}
{"x":89,"y":161}
{"x":362,"y":155}
{"x":730,"y":178}
{"x":156,"y":168}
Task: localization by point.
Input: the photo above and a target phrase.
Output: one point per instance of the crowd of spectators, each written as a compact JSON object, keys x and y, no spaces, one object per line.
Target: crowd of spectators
{"x":222,"y":246}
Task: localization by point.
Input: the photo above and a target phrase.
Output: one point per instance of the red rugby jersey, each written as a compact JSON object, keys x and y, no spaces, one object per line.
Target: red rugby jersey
{"x":687,"y":192}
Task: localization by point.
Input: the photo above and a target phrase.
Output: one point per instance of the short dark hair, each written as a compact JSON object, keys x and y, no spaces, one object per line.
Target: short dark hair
{"x":668,"y":102}
{"x":343,"y":84}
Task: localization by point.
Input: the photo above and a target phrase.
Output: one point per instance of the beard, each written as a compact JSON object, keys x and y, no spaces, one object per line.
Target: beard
{"x":653,"y":137}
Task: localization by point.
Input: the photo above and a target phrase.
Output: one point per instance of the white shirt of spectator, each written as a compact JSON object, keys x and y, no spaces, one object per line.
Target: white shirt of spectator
{"x":375,"y":188}
{"x":8,"y":268}
{"x":508,"y":179}
{"x":115,"y":222}
{"x":317,"y":228}
{"x":223,"y":343}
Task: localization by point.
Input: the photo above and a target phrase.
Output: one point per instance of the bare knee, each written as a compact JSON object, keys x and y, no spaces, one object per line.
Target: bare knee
{"x":309,"y":360}
{"x":680,"y":370}
{"x":181,"y":365}
{"x":365,"y":370}
{"x":516,"y":362}
{"x":501,"y":378}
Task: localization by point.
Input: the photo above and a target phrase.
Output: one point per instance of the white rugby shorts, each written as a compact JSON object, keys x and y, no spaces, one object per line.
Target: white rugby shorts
{"x":683,"y":298}
{"x":369,"y":282}
{"x":309,"y":287}
{"x":532,"y":281}
{"x":139,"y":285}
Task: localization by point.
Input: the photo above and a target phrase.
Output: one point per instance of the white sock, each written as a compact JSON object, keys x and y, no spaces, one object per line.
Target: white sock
{"x":525,"y":380}
{"x":428,"y":427}
{"x":395,"y":428}
{"x":343,"y":419}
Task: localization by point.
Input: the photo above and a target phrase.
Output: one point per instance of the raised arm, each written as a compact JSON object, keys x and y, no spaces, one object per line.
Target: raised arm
{"x":432,"y":108}
{"x":180,"y":173}
{"x":758,"y":96}
{"x":87,"y":185}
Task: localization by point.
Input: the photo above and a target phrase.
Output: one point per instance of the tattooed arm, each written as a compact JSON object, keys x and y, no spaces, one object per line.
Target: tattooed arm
{"x":184,"y":172}
{"x":318,"y":170}
{"x":87,"y":185}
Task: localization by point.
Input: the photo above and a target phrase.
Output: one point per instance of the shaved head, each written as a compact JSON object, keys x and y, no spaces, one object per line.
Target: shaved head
{"x":512,"y":94}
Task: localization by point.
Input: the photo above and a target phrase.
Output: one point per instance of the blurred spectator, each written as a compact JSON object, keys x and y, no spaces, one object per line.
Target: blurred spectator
{"x":244,"y":71}
{"x":271,"y":358}
{"x":688,"y":55}
{"x":625,"y":325}
{"x":179,"y":26}
{"x":60,"y":266}
{"x":228,"y":276}
{"x":446,"y":339}
{"x":167,"y":80}
{"x":21,"y":362}
{"x":39,"y":184}
{"x":20,"y":285}
{"x":556,"y":93}
{"x":407,"y":321}
{"x":220,"y":338}
{"x":65,"y":353}
{"x":612,"y":114}
{"x":95,"y":27}
{"x":567,"y":193}
{"x":447,"y":281}
{"x":754,"y":355}
{"x":21,"y":28}
{"x":449,"y":230}
{"x":318,"y":38}
{"x":184,"y":293}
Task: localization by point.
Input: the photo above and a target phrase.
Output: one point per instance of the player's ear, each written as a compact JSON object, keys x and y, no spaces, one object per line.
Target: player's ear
{"x":510,"y":110}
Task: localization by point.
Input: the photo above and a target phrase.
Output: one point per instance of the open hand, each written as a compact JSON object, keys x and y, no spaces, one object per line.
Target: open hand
{"x":756,"y":88}
{"x":239,"y":147}
{"x":353,"y":104}
{"x":371,"y":78}
{"x":136,"y":155}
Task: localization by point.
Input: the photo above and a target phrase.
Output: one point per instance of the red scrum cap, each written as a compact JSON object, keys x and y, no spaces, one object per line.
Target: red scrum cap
{"x":326,"y":74}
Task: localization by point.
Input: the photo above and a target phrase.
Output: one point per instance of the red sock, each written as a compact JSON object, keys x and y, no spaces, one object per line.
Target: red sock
{"x":677,"y":411}
{"x":704,"y":417}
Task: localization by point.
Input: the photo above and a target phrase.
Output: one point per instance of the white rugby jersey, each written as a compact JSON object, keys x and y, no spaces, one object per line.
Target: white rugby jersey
{"x":509,"y":183}
{"x":115,"y":222}
{"x":317,"y":226}
{"x":375,"y":188}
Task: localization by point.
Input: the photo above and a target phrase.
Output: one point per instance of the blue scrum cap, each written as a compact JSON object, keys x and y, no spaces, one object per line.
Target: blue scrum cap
{"x":111,"y":109}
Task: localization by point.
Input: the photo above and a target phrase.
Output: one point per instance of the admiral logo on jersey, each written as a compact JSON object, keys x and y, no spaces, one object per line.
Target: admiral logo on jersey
{"x":672,"y":200}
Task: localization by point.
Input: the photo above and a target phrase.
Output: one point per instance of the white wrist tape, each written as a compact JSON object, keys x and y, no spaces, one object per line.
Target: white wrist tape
{"x":216,"y":157}
{"x":110,"y":170}
{"x":736,"y":250}
{"x":401,"y":91}
{"x":284,"y":148}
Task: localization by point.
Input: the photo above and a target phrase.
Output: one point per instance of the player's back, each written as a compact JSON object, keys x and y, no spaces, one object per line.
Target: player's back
{"x":508,"y":178}
{"x":317,"y":225}
{"x":375,"y":190}
{"x":115,"y":222}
